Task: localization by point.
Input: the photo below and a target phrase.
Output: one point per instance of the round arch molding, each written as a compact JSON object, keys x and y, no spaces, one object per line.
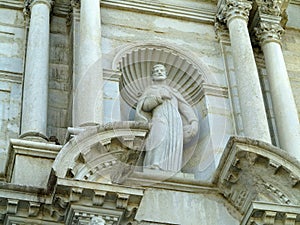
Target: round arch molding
{"x":186,"y":72}
{"x":107,"y":153}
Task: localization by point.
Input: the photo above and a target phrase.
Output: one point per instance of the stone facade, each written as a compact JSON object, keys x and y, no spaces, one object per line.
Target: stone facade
{"x":71,"y":74}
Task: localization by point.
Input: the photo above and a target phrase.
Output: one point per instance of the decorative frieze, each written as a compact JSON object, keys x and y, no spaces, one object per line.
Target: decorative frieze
{"x":269,"y":32}
{"x":235,"y":9}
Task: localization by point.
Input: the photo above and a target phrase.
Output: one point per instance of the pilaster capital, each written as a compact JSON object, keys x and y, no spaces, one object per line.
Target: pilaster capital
{"x":268,"y":32}
{"x":235,"y":9}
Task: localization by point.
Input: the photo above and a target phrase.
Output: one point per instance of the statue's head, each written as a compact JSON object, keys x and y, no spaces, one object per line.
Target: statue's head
{"x":97,"y":220}
{"x":159,"y":72}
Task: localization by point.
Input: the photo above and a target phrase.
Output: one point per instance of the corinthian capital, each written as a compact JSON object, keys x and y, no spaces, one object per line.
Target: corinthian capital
{"x":269,"y":7}
{"x":268,"y":32}
{"x":233,"y":9}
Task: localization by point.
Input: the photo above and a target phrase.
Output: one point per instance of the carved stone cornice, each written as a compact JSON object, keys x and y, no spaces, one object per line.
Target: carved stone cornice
{"x":222,"y":32}
{"x":234,"y":9}
{"x":268,"y":32}
{"x":252,"y":170}
{"x":266,"y":213}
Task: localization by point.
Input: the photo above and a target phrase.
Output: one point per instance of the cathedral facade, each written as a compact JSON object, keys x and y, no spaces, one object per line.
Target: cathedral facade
{"x":142,"y":112}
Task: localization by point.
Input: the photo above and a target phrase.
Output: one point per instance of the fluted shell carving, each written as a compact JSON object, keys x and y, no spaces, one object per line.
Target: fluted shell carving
{"x":136,"y":68}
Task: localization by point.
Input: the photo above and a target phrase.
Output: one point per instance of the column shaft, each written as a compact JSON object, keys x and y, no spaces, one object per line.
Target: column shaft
{"x":251,"y":100}
{"x":88,"y":82}
{"x":35,"y":94}
{"x":285,"y":110}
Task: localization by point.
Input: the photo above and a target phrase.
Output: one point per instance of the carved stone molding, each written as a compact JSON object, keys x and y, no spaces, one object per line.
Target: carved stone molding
{"x":269,"y":32}
{"x":108,"y":153}
{"x":265,"y":213}
{"x":250,"y":170}
{"x":234,"y":9}
{"x":270,"y":7}
{"x":118,"y":203}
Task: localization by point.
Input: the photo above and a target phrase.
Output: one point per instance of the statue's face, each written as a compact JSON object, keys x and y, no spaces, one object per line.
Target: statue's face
{"x":159,"y":73}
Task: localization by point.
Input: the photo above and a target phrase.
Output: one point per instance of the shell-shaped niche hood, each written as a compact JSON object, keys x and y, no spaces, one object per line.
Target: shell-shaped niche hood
{"x":135,"y":63}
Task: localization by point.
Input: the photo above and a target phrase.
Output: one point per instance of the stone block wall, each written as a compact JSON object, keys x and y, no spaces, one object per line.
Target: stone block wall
{"x":60,"y":86}
{"x":12,"y":52}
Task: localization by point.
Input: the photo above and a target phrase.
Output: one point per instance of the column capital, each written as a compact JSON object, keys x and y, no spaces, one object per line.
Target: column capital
{"x":235,"y":9}
{"x":269,"y":7}
{"x":28,"y":4}
{"x":268,"y":32}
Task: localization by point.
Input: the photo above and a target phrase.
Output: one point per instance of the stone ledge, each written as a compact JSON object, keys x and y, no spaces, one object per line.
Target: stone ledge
{"x":164,"y":10}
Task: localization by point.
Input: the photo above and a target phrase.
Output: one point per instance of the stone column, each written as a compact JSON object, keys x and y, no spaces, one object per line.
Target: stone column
{"x":35,"y":94}
{"x":286,"y":115}
{"x":88,"y":81}
{"x":255,"y":125}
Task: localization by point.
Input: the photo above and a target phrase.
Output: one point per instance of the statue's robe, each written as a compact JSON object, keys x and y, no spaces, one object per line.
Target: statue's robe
{"x":164,"y":144}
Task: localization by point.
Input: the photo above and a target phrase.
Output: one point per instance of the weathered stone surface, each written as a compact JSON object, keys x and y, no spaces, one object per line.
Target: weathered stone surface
{"x":170,"y":206}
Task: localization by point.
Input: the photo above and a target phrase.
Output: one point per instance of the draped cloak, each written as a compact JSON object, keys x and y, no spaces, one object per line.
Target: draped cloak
{"x":164,"y":144}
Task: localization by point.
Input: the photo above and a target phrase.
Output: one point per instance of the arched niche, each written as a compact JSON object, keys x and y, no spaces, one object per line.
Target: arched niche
{"x":102,"y":153}
{"x":186,"y":72}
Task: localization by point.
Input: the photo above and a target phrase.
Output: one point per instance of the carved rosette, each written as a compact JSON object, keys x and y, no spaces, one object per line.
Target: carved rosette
{"x":269,"y":32}
{"x":235,"y":9}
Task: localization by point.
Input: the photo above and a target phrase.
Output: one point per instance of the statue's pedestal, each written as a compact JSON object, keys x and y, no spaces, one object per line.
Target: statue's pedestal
{"x":167,"y":174}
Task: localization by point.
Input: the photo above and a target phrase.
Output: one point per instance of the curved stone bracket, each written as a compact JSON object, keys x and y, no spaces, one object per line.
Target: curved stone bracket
{"x":108,"y":153}
{"x":250,"y":170}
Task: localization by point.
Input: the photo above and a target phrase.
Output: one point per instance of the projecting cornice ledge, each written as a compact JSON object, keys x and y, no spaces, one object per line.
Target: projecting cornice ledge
{"x":253,"y":171}
{"x":173,"y":11}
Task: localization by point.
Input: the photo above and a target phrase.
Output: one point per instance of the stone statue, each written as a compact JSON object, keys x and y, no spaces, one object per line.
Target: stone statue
{"x":173,"y":122}
{"x":97,"y":220}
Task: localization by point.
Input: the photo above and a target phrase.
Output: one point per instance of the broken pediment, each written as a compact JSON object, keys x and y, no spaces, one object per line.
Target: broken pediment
{"x":252,"y":170}
{"x":102,"y":153}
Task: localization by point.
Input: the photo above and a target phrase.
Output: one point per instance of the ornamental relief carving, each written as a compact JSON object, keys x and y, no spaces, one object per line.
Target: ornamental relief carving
{"x":250,"y":171}
{"x":268,"y":31}
{"x":103,"y":153}
{"x":234,"y":8}
{"x":270,"y":7}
